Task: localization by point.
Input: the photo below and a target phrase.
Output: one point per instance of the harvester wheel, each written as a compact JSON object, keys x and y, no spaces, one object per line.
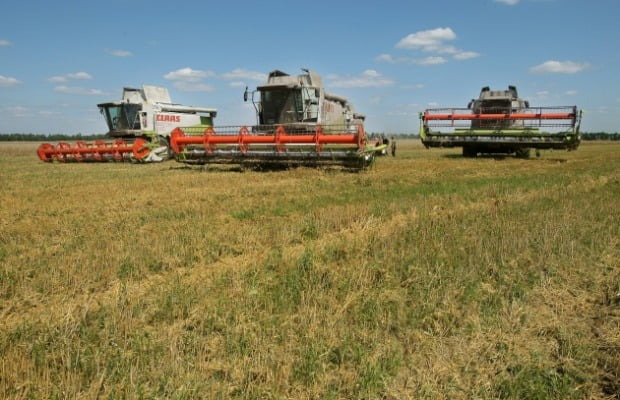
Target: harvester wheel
{"x":165,"y":141}
{"x":523,"y":152}
{"x":470,"y":151}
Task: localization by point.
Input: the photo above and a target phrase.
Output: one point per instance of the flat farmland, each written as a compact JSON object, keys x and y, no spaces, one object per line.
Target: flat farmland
{"x":426,"y":276}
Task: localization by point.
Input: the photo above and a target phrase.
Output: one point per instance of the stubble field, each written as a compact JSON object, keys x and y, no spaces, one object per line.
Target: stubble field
{"x":428,"y":276}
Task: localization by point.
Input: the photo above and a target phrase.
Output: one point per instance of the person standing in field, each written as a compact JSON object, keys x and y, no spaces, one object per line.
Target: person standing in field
{"x":393,"y":146}
{"x":384,"y":141}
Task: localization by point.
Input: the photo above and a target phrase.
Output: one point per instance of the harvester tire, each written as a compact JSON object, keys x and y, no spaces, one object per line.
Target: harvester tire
{"x":165,"y":141}
{"x":470,"y":151}
{"x":523,"y":152}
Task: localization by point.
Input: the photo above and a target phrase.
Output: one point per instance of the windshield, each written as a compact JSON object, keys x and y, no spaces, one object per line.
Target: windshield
{"x":495,"y":106}
{"x":503,"y":106}
{"x":122,"y":117}
{"x":281,"y":106}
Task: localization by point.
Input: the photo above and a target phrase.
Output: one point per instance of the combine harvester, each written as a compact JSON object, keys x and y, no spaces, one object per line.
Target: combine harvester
{"x":298,"y":123}
{"x":501,"y":122}
{"x":140,"y":125}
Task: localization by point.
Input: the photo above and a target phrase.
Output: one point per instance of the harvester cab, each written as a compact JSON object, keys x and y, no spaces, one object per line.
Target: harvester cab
{"x":497,"y":102}
{"x":149,"y":111}
{"x":301,"y":99}
{"x":140,"y":125}
{"x":501,"y":122}
{"x":298,"y":123}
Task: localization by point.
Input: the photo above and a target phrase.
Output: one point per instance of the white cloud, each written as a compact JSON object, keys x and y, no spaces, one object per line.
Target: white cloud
{"x":80,"y":75}
{"x":188,"y":75}
{"x":65,"y":78}
{"x":120,"y":53}
{"x":466,"y":55}
{"x":433,"y":60}
{"x":570,"y":92}
{"x":6,"y":81}
{"x":240,"y":74}
{"x":78,"y":90}
{"x":4,"y":42}
{"x":237,"y":84}
{"x":509,"y":2}
{"x":190,"y":80}
{"x":368,"y":78}
{"x":57,"y":79}
{"x":392,"y":60}
{"x":18,"y":111}
{"x":559,"y":67}
{"x":414,"y":86}
{"x":429,"y":40}
{"x":433,"y":104}
{"x":371,"y":73}
{"x":190,"y":86}
{"x":543,"y":94}
{"x":385,"y":58}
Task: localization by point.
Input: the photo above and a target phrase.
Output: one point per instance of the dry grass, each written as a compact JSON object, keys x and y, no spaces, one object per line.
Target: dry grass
{"x":429,"y":276}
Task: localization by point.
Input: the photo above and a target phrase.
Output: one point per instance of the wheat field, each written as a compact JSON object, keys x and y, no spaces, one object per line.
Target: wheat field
{"x":428,"y":276}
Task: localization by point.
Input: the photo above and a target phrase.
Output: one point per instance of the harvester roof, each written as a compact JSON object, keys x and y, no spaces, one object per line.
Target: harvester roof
{"x":155,"y":95}
{"x":487,"y":94}
{"x":278,"y":79}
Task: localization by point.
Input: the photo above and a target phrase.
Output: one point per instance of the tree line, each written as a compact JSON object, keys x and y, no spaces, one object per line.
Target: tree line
{"x":54,"y":137}
{"x":600,"y":136}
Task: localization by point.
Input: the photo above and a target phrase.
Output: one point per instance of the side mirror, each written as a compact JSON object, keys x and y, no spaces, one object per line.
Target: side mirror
{"x":245,"y":94}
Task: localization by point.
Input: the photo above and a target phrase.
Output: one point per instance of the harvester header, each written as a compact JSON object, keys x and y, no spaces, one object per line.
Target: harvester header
{"x":275,"y":145}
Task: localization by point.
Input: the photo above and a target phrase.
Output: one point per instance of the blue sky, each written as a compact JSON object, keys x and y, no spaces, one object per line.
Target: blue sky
{"x":392,"y":59}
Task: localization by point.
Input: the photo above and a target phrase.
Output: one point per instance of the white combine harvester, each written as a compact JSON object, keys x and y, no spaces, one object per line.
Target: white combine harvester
{"x":139,"y":124}
{"x":298,"y":123}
